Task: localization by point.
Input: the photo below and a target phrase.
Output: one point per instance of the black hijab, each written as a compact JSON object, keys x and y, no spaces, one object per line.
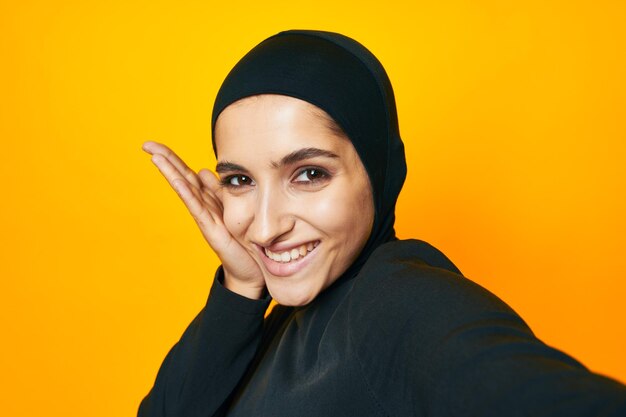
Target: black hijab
{"x":342,"y":77}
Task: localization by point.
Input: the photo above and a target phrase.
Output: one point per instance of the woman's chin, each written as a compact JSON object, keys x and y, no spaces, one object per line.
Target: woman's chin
{"x":293,"y":295}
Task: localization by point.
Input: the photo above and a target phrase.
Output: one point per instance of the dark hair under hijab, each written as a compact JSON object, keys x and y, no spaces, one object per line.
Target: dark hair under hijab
{"x":343,"y":78}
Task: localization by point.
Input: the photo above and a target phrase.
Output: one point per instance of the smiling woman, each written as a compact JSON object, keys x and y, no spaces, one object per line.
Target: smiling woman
{"x":291,"y":191}
{"x":310,"y":165}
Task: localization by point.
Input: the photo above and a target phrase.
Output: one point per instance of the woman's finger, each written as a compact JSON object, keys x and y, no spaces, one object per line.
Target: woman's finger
{"x":194,"y":205}
{"x":214,"y":205}
{"x":210,"y":180}
{"x":173,"y":175}
{"x":167,"y":169}
{"x":212,"y":185}
{"x":204,"y":216}
{"x":155,"y":148}
{"x":206,"y":210}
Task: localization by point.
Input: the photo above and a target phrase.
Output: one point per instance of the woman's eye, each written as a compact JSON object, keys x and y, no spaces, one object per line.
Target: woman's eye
{"x":311,"y":175}
{"x":237,"y":181}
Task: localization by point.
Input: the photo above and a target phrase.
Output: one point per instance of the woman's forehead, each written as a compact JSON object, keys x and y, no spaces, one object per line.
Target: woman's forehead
{"x":274,"y":124}
{"x":283,"y":103}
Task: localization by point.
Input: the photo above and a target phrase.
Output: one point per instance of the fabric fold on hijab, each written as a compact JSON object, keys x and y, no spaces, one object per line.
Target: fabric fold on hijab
{"x":343,"y":78}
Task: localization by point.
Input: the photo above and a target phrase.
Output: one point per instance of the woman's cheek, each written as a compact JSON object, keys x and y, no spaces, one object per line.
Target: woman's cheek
{"x":335,"y":212}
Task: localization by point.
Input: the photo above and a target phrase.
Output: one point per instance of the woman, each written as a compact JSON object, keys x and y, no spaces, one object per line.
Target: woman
{"x":310,"y":165}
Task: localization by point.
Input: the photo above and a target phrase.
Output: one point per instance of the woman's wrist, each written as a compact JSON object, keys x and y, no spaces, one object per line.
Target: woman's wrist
{"x":253,"y":292}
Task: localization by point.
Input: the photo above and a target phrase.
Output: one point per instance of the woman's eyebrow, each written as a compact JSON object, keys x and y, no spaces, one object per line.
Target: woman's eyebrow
{"x":226,"y":166}
{"x":292,"y":158}
{"x":302,"y":154}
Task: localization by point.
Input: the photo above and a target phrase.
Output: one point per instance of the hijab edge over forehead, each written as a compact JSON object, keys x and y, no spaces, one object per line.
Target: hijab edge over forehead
{"x":368,"y":60}
{"x":340,"y":76}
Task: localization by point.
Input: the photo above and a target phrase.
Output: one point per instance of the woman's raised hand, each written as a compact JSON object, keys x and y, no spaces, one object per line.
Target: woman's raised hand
{"x":201,"y":194}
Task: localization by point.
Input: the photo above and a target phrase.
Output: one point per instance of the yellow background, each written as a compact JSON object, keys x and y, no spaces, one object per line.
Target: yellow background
{"x":513,"y":119}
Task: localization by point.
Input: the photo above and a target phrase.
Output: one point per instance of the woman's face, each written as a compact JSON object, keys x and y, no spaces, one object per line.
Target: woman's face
{"x":296,"y":195}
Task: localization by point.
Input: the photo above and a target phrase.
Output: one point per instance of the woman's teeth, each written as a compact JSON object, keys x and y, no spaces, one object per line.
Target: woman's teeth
{"x":293,"y":254}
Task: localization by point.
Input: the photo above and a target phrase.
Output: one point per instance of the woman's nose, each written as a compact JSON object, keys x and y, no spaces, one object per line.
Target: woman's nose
{"x":272,"y":217}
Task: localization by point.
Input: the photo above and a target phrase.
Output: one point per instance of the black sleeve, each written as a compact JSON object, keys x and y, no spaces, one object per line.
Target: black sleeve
{"x":202,"y":369}
{"x":435,"y":343}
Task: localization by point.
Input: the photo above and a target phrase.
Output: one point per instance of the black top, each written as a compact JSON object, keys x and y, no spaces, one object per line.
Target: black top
{"x":407,"y":336}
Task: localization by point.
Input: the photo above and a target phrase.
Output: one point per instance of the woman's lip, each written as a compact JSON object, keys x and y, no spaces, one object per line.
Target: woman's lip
{"x":284,"y":269}
{"x":282,"y":247}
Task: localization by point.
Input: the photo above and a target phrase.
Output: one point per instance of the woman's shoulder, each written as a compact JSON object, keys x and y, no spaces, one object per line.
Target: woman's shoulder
{"x":409,"y":251}
{"x":416,"y":270}
{"x":410,"y":284}
{"x":414,"y":319}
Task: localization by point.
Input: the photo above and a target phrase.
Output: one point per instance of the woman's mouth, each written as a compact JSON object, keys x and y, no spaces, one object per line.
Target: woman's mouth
{"x":292,"y":254}
{"x":288,"y":261}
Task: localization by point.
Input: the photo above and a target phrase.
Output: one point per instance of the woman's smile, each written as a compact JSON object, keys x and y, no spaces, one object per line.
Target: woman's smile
{"x":286,"y":256}
{"x":288,"y":262}
{"x":294,"y":192}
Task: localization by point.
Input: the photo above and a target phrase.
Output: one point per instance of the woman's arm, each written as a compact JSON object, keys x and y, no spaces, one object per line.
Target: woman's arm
{"x":490,"y":364}
{"x":202,"y":369}
{"x":451,"y":348}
